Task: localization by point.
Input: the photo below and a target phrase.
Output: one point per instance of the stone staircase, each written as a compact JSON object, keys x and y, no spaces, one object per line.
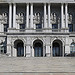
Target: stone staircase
{"x":3,"y":55}
{"x":37,"y":64}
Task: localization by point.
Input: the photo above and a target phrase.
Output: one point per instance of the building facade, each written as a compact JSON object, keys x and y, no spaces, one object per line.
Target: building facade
{"x":37,"y":28}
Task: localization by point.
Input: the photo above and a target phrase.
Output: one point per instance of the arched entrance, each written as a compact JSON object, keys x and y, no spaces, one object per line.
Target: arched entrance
{"x":72,"y":48}
{"x":38,"y":48}
{"x":19,"y":45}
{"x":57,"y":48}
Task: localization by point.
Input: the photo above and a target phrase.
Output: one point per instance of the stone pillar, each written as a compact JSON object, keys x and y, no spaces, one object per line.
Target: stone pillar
{"x":27,"y":16}
{"x":47,"y":50}
{"x":31,"y":16}
{"x":17,"y":26}
{"x":14,"y":52}
{"x":14,"y":15}
{"x":10,"y":15}
{"x":11,"y":49}
{"x":44,"y":50}
{"x":8,"y":50}
{"x":67,"y":49}
{"x":67,"y":46}
{"x":24,"y":50}
{"x":45,"y":25}
{"x":51,"y":51}
{"x":32,"y":51}
{"x":49,"y":22}
{"x":63,"y":50}
{"x":2,"y":27}
{"x":28,"y":51}
{"x":66,"y":16}
{"x":62,"y":16}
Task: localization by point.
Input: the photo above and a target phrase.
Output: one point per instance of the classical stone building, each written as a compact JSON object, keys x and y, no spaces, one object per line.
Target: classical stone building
{"x":37,"y":28}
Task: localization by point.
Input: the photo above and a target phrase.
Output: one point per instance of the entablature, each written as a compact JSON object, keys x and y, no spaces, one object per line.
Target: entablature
{"x":37,"y":1}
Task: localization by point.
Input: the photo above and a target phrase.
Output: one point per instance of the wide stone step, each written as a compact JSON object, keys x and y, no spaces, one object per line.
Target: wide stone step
{"x":37,"y":64}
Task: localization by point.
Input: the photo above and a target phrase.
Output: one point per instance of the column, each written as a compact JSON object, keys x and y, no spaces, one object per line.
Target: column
{"x":8,"y":47}
{"x":45,"y":25}
{"x":51,"y":51}
{"x":67,"y":46}
{"x":28,"y":51}
{"x":62,"y":17}
{"x":14,"y":15}
{"x":63,"y":51}
{"x":14,"y":52}
{"x":31,"y":16}
{"x":11,"y":44}
{"x":2,"y":27}
{"x":10,"y":15}
{"x":32,"y":51}
{"x":27,"y":15}
{"x":8,"y":50}
{"x":44,"y":50}
{"x":47,"y":50}
{"x":49,"y":24}
{"x":24,"y":50}
{"x":66,"y":16}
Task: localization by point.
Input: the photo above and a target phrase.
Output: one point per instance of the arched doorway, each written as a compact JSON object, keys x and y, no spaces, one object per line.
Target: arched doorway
{"x":72,"y":50}
{"x":19,"y":45}
{"x":38,"y":48}
{"x":57,"y":48}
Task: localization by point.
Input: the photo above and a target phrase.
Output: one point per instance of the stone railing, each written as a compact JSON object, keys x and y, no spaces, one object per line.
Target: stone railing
{"x":38,"y":30}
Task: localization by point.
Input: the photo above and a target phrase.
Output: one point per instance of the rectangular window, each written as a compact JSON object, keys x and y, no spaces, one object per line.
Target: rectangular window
{"x":70,"y":27}
{"x":54,"y":26}
{"x":22,"y":26}
{"x":5,"y":27}
{"x":38,"y":26}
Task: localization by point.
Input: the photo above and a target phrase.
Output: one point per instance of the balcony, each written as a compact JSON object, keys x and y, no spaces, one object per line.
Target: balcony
{"x":44,"y":30}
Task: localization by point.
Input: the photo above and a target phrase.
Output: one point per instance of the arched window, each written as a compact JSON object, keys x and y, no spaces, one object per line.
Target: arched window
{"x":57,"y":48}
{"x":72,"y":48}
{"x":38,"y":48}
{"x":19,"y":46}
